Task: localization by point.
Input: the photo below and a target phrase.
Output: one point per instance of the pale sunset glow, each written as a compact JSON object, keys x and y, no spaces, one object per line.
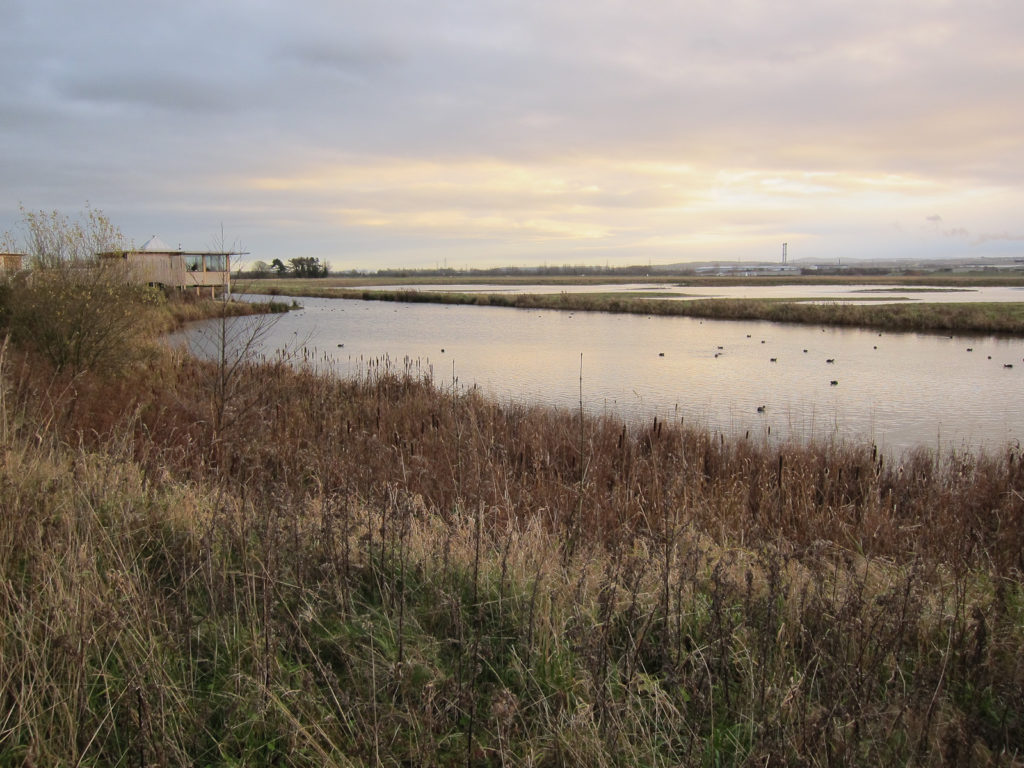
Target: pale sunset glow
{"x":404,"y":134}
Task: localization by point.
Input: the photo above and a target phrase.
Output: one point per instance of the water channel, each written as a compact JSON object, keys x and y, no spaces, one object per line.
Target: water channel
{"x":752,"y":379}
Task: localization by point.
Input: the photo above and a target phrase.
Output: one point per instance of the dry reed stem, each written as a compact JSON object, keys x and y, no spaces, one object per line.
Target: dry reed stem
{"x":363,"y":568}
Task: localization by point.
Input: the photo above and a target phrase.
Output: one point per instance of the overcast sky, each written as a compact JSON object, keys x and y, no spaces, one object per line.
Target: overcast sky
{"x":492,"y":132}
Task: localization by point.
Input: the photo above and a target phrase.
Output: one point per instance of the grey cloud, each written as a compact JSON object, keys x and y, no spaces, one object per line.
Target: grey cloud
{"x":163,"y":100}
{"x":166,"y":92}
{"x":986,"y":237}
{"x":935,"y":221}
{"x":352,"y":59}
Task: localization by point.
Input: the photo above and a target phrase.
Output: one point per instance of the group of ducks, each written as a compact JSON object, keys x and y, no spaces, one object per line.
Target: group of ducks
{"x":1005,"y":365}
{"x":832,"y":383}
{"x":720,"y":350}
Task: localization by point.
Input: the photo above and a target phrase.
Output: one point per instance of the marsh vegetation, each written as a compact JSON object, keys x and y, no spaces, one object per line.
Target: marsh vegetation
{"x":243,"y":561}
{"x":967,"y":318}
{"x":376,"y":571}
{"x":937,"y":317}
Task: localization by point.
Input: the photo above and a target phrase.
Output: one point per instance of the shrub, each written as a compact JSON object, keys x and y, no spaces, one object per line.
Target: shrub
{"x":78,"y":309}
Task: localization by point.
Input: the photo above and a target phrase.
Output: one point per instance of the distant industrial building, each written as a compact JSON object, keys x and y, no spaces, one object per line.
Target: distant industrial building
{"x":736,"y":269}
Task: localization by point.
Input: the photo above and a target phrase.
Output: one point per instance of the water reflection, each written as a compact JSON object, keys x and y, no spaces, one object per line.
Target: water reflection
{"x":898,"y":390}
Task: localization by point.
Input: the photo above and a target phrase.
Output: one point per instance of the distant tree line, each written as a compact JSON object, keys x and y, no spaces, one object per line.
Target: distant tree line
{"x":564,"y":270}
{"x":300,"y":266}
{"x":305,"y":266}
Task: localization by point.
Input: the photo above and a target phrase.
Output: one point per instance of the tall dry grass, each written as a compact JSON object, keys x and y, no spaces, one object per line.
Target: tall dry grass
{"x":307,"y":431}
{"x":315,"y":571}
{"x":181,"y":308}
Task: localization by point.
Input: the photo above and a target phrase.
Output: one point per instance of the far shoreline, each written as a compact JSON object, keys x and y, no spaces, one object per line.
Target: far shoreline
{"x":969,"y":318}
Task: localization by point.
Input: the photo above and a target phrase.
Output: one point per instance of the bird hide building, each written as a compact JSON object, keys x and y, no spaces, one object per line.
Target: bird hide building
{"x":10,"y":262}
{"x":157,"y":263}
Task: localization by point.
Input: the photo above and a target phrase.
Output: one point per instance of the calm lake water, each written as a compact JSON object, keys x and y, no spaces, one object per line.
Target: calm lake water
{"x":897,"y":390}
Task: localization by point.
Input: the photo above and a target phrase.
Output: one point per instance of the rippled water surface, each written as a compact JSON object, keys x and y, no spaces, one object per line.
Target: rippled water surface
{"x":898,"y":390}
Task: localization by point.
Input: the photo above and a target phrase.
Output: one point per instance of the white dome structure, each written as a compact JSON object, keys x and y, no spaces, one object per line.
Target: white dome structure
{"x":156,"y":245}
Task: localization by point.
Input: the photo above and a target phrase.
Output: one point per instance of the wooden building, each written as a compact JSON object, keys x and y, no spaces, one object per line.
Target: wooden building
{"x":157,"y":263}
{"x":11,"y":262}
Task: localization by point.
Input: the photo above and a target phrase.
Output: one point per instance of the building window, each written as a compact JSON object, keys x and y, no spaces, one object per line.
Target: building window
{"x":194,"y":263}
{"x":216,"y":262}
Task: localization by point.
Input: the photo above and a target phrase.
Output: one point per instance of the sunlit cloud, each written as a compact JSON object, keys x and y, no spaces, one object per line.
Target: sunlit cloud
{"x":525,"y":132}
{"x":637,"y":209}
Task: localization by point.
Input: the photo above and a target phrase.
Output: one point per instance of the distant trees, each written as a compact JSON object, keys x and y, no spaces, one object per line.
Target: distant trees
{"x":307,"y":266}
{"x":300,"y":266}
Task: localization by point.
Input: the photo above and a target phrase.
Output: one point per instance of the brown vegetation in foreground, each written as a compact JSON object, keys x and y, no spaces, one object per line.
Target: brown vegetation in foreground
{"x":253,"y":564}
{"x":233,"y":562}
{"x":592,"y":480}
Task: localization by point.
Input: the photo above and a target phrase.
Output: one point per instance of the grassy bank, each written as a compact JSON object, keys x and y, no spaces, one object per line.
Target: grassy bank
{"x":179,"y":310}
{"x":251,"y":564}
{"x":965,"y":318}
{"x":286,"y":285}
{"x":962,"y":318}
